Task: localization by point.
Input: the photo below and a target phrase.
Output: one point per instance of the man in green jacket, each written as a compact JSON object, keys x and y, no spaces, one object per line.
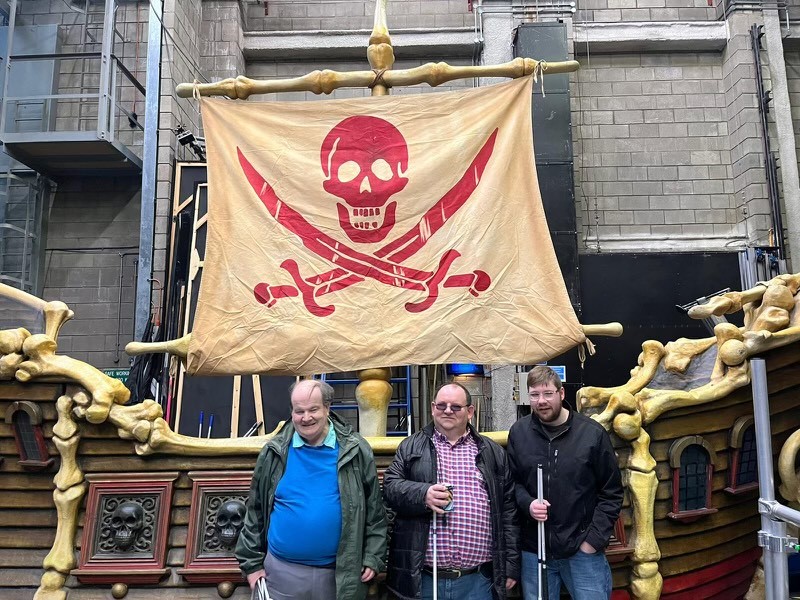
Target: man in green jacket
{"x":315,"y":526}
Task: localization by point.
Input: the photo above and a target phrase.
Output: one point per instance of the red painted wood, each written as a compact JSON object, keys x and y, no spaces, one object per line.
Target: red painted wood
{"x":744,"y":560}
{"x":718,"y":589}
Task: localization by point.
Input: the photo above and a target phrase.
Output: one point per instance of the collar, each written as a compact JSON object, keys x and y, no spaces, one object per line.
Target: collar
{"x":329,"y":441}
{"x":440,"y":437}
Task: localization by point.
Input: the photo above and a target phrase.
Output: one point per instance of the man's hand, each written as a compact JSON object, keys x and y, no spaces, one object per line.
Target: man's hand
{"x":252,"y":578}
{"x":587,"y":548}
{"x":510,"y":583}
{"x":367,"y":574}
{"x":437,"y":497}
{"x":538,"y":510}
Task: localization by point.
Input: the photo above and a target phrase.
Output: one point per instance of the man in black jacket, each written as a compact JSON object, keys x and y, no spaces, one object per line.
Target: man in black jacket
{"x":582,"y":492}
{"x":476,"y":538}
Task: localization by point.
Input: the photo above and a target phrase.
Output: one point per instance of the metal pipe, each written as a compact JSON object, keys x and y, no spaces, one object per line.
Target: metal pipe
{"x":775,"y":509}
{"x":772,"y":534}
{"x":769,"y":158}
{"x":149,"y":164}
{"x":12,"y":19}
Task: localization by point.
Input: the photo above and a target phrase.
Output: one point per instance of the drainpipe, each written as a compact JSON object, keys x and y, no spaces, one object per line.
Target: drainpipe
{"x":787,"y":151}
{"x":149,"y":164}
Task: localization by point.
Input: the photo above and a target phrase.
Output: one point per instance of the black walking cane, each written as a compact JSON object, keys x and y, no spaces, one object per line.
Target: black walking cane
{"x":541,"y":554}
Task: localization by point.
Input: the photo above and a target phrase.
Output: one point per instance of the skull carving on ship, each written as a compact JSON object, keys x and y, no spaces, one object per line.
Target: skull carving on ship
{"x":230,"y":518}
{"x":127,"y":522}
{"x":364,"y":160}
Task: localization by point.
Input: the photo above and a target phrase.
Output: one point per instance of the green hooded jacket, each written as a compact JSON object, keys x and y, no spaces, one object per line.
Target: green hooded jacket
{"x":364,"y":526}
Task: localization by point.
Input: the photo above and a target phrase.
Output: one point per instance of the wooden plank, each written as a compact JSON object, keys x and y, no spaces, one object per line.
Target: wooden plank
{"x":15,"y":557}
{"x":259,"y":404}
{"x":714,"y":537}
{"x":33,"y":499}
{"x":682,"y":563}
{"x":30,"y":391}
{"x":237,"y":395}
{"x":17,"y":537}
{"x":27,"y":481}
{"x":101,"y":464}
{"x":691,"y":545}
{"x":27,"y":517}
{"x":671,"y":425}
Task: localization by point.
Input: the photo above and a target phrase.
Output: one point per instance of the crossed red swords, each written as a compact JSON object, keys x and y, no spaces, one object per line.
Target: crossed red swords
{"x":385,"y":265}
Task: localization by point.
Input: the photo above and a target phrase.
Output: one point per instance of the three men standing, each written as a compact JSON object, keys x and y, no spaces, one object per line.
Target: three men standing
{"x":477,"y":541}
{"x":315,"y":526}
{"x":582,"y":483}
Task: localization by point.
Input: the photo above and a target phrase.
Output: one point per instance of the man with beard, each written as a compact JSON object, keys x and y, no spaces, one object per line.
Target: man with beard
{"x":582,"y":492}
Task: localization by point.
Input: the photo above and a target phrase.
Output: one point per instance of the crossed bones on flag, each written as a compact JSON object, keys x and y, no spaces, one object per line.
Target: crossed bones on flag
{"x":386,"y":264}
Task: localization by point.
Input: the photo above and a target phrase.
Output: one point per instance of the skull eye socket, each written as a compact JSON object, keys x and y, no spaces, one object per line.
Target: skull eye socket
{"x":382,"y":170}
{"x":348,"y":171}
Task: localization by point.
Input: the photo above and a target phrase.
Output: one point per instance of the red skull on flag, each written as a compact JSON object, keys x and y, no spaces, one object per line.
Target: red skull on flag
{"x":364,"y":160}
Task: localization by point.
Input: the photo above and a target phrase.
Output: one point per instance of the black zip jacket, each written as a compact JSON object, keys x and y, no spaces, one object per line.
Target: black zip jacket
{"x":581,"y":480}
{"x":404,"y":486}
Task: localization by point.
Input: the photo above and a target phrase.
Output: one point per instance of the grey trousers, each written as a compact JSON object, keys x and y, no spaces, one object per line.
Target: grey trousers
{"x":289,"y":581}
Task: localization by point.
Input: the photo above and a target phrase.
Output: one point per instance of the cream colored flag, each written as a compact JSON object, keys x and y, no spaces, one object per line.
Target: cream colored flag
{"x":348,"y":234}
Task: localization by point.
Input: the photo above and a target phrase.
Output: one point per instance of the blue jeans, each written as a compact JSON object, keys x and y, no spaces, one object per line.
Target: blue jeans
{"x":470,"y":587}
{"x":586,"y":576}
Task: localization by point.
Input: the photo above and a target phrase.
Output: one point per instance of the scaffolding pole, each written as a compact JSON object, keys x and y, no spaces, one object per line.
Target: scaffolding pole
{"x":772,"y":537}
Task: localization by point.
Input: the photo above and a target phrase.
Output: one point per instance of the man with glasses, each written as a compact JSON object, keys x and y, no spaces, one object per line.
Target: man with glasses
{"x":477,"y":537}
{"x":582,"y":492}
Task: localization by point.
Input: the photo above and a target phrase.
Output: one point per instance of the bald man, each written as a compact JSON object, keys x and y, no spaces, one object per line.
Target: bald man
{"x":477,"y":543}
{"x":315,"y":527}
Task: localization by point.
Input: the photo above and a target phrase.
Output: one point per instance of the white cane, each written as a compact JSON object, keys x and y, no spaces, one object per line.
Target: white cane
{"x":543,"y":588}
{"x":435,"y":562}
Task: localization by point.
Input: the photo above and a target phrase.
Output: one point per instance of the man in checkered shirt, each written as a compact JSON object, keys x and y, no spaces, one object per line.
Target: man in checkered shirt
{"x":477,"y":541}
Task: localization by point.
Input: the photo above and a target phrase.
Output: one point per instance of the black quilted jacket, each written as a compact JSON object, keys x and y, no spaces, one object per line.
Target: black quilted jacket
{"x":404,"y":487}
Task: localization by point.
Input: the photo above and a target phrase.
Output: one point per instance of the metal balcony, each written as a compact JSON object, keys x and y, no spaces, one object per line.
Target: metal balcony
{"x":71,"y":113}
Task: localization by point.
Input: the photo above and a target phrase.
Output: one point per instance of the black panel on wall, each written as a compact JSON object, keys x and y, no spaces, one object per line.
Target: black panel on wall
{"x":641,"y":291}
{"x":552,"y":141}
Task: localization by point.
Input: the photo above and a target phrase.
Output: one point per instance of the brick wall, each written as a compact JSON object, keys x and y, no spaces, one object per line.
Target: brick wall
{"x":91,"y":222}
{"x":612,"y":11}
{"x":299,"y":15}
{"x":651,"y":150}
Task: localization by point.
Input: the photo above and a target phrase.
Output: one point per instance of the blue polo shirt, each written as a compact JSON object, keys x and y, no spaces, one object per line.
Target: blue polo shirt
{"x":306,"y":520}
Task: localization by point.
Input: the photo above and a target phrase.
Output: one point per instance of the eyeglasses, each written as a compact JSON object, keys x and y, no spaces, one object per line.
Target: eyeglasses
{"x":442,"y":406}
{"x":548,"y":395}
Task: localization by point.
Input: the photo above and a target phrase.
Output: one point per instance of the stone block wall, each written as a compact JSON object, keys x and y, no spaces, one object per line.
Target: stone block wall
{"x":92,"y":240}
{"x":652,"y":154}
{"x":301,"y":15}
{"x":614,"y":11}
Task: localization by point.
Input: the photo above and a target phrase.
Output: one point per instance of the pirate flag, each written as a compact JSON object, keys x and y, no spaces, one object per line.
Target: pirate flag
{"x":357,"y":233}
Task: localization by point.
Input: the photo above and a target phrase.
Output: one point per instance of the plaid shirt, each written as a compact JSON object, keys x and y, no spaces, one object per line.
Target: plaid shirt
{"x":464,"y":536}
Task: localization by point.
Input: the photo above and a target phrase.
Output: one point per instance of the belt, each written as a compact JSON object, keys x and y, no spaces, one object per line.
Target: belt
{"x":456,"y":573}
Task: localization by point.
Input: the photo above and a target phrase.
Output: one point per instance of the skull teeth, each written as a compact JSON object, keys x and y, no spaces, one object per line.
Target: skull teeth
{"x":366,"y":212}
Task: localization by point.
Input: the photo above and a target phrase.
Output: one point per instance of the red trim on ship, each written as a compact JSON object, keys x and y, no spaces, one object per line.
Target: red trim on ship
{"x":726,"y":580}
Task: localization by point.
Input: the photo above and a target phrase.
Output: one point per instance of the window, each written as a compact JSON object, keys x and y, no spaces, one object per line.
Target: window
{"x":692,"y":461}
{"x":26,"y":421}
{"x":743,"y":467}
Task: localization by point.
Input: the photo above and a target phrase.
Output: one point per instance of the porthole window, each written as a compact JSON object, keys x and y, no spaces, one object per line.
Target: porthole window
{"x":25,"y":419}
{"x":743,"y":462}
{"x":692,"y":461}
